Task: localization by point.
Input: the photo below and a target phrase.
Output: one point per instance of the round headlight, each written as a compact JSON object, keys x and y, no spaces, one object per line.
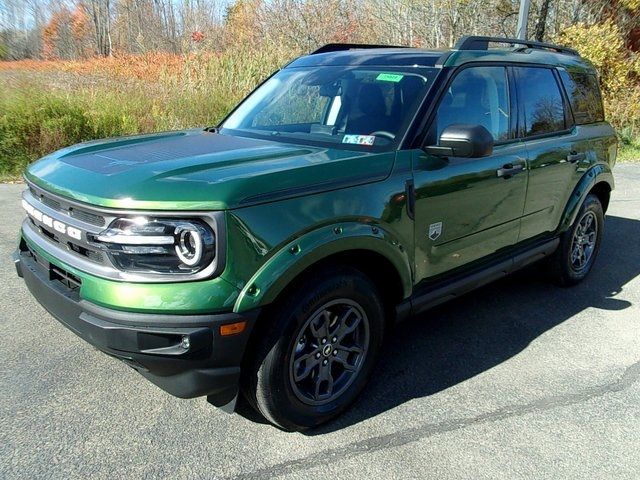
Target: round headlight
{"x":189,"y":244}
{"x":158,"y":245}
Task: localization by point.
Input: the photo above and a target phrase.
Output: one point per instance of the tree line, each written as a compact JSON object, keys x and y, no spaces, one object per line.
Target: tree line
{"x":78,"y":29}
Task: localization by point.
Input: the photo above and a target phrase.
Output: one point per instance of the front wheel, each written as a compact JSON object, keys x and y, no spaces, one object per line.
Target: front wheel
{"x":319,"y":350}
{"x":579,"y":245}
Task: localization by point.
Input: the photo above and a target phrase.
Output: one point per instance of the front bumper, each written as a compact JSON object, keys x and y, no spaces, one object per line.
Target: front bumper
{"x":184,"y":355}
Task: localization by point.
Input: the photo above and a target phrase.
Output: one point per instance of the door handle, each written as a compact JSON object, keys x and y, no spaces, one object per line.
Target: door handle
{"x":575,"y":157}
{"x":509,"y":170}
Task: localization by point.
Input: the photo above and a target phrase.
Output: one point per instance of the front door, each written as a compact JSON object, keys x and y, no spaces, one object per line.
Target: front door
{"x":468,"y":208}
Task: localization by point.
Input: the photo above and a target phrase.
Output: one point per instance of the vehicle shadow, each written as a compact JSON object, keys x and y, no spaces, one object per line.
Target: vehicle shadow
{"x":465,"y":337}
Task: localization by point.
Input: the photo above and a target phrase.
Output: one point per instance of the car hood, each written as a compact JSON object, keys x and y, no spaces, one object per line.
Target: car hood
{"x":199,"y":170}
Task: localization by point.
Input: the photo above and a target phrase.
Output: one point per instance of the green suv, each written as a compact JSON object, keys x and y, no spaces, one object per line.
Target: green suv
{"x":357,"y":186}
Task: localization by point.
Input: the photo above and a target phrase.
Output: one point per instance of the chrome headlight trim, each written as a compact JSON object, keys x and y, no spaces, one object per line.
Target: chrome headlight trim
{"x":32,"y":231}
{"x":187,"y":245}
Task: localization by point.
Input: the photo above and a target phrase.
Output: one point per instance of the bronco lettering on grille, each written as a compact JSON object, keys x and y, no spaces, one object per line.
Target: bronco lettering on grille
{"x":57,"y":225}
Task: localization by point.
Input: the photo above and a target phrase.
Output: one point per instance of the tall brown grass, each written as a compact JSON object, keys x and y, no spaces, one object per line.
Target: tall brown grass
{"x":47,"y":105}
{"x":51,"y":104}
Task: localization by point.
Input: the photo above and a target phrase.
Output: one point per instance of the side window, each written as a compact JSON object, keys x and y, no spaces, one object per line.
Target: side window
{"x":540,"y":97}
{"x":584,"y":96}
{"x":477,"y":96}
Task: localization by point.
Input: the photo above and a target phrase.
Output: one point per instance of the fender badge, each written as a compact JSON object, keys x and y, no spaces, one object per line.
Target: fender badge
{"x":435,"y":229}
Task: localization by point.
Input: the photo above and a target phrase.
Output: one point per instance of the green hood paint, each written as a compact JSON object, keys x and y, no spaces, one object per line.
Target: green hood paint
{"x":198,"y":170}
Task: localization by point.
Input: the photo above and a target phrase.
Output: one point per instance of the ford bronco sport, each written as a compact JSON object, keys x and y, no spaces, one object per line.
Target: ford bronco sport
{"x":357,"y":186}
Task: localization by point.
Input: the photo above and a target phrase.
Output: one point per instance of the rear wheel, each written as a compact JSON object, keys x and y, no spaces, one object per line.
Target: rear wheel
{"x":321,"y":348}
{"x":579,"y":245}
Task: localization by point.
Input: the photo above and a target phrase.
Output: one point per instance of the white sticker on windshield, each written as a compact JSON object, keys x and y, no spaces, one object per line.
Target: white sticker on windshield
{"x":359,"y":139}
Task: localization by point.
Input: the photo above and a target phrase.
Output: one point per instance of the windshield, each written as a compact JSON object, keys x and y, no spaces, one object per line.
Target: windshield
{"x":362,"y":108}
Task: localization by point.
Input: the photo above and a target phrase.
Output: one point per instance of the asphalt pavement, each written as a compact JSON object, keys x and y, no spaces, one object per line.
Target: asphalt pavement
{"x":520,"y":379}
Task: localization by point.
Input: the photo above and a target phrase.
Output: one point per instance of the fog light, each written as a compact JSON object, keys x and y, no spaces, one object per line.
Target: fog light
{"x":185,"y":342}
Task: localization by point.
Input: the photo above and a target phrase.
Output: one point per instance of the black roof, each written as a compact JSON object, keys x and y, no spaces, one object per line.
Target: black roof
{"x":469,"y":48}
{"x":392,"y":56}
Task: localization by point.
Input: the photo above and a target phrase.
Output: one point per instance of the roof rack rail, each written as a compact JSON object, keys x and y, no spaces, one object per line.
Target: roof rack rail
{"x":341,"y":47}
{"x":472,"y":42}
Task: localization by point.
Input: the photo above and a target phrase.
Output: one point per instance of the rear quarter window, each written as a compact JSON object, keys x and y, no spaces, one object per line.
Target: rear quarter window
{"x":541,"y":101}
{"x":584,"y":96}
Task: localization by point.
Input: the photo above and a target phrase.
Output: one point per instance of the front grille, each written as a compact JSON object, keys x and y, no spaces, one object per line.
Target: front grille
{"x":51,"y":203}
{"x":93,"y":255}
{"x":67,"y":228}
{"x":87,"y":217}
{"x":75,"y":212}
{"x":50,"y":235}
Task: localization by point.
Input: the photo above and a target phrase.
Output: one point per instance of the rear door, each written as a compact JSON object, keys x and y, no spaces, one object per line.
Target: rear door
{"x":554,"y":150}
{"x":466,"y":208}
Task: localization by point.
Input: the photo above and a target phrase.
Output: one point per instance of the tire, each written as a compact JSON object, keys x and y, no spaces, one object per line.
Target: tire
{"x":287,"y":379}
{"x":573,"y":260}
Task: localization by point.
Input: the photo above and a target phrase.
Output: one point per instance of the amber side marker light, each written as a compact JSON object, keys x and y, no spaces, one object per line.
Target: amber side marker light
{"x":232,"y":328}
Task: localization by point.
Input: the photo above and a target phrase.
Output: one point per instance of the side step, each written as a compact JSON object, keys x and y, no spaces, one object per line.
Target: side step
{"x":452,"y":288}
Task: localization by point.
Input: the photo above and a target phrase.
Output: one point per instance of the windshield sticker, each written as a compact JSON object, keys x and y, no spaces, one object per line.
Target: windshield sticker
{"x":359,"y":139}
{"x":389,"y":77}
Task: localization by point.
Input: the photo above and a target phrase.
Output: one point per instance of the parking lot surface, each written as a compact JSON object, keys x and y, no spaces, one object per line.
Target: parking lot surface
{"x":520,"y":379}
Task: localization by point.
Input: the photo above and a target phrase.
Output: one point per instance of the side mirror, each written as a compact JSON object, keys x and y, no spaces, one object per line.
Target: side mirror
{"x":462,"y":140}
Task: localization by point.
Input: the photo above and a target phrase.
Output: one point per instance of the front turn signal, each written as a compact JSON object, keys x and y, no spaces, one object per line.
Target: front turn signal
{"x":232,"y":328}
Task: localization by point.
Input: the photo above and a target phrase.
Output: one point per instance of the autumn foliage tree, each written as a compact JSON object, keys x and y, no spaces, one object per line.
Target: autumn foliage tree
{"x":242,"y":22}
{"x":81,"y":31}
{"x":604,"y":44}
{"x":56,"y":35}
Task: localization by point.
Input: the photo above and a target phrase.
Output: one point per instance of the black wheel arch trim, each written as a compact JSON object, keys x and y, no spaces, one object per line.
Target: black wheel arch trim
{"x":600,"y":173}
